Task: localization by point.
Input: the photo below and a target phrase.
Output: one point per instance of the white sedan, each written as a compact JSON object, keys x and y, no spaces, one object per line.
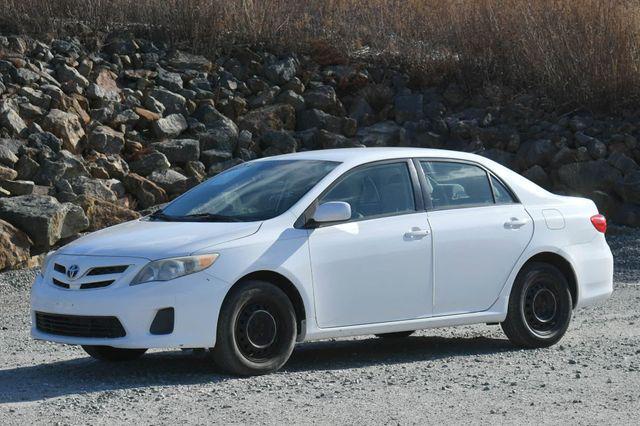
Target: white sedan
{"x":326,"y":244}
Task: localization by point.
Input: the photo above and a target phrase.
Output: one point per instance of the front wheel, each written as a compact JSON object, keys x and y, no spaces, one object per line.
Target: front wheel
{"x":256,"y":329}
{"x":111,"y":354}
{"x":540,"y":307}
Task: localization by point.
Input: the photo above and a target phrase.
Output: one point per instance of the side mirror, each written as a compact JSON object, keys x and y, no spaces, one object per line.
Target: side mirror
{"x":333,"y":211}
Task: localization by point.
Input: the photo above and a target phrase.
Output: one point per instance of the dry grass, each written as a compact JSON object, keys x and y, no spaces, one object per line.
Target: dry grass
{"x":578,"y":51}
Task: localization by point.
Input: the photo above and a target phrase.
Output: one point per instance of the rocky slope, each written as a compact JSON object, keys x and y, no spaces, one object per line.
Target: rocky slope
{"x":93,"y":132}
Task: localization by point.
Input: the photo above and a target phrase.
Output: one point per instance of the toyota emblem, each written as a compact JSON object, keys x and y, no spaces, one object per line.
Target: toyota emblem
{"x":72,"y":272}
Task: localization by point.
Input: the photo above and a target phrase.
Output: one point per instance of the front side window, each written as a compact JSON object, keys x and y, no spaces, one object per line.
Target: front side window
{"x":453,"y":185}
{"x":252,"y":191}
{"x":373,"y":191}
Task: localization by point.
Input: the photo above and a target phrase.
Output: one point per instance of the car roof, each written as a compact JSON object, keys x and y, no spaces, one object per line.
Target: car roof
{"x":356,"y":156}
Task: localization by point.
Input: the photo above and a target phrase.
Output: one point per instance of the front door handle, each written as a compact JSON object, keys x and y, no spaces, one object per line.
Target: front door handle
{"x":515,"y":223}
{"x":416,"y":233}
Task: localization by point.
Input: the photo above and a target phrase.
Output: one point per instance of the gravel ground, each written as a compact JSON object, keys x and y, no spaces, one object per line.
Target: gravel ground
{"x":459,"y":375}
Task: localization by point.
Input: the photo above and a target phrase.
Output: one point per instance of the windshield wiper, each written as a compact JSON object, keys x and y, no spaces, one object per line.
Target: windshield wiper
{"x":198,"y":217}
{"x":208,"y":217}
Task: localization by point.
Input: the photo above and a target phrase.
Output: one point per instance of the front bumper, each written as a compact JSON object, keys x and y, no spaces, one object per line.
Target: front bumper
{"x":196,"y":300}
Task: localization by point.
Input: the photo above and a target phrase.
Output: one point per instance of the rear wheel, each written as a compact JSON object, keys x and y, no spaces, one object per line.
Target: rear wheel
{"x":396,"y":335}
{"x":540,"y":307}
{"x":256,"y":329}
{"x":111,"y":354}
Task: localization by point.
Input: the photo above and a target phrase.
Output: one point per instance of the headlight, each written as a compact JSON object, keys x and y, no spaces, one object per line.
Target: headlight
{"x":46,"y":262}
{"x":169,"y":269}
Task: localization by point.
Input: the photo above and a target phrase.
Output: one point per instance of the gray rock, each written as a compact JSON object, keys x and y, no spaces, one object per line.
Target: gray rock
{"x":275,"y":142}
{"x":106,"y":140}
{"x":43,"y":218}
{"x":291,"y":98}
{"x":39,"y":140}
{"x":622,"y":162}
{"x":282,"y":71}
{"x":186,"y":61}
{"x":315,"y":118}
{"x":66,"y":126}
{"x":169,"y":80}
{"x":535,"y":152}
{"x":179,"y":151}
{"x":26,"y":167}
{"x":49,"y":172}
{"x":537,"y":175}
{"x":18,"y":187}
{"x":36,"y":97}
{"x":12,"y":121}
{"x":272,"y":117}
{"x":328,"y":140}
{"x":589,"y":176}
{"x":596,"y":149}
{"x":386,"y":133}
{"x":150,"y":162}
{"x":173,"y":103}
{"x":66,"y":73}
{"x":7,"y":156}
{"x":25,"y":77}
{"x":115,"y":166}
{"x":95,"y":188}
{"x":362,"y":112}
{"x":170,"y":127}
{"x":502,"y":157}
{"x":408,"y":108}
{"x":171,"y":181}
{"x":325,"y":99}
{"x":629,"y":188}
{"x":213,"y":156}
{"x":146,"y":193}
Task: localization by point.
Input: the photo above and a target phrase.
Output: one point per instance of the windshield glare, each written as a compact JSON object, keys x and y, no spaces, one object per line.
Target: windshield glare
{"x":252,"y":191}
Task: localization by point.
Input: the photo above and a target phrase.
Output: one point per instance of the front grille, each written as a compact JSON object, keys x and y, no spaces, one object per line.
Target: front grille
{"x":106,"y":270}
{"x":59,"y":268}
{"x":97,"y":284}
{"x":60,"y":283}
{"x":79,"y":326}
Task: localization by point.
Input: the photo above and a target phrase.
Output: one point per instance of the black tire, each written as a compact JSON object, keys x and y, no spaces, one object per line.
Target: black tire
{"x":396,"y":335}
{"x":111,"y":354}
{"x":256,"y":329}
{"x":540,"y":307}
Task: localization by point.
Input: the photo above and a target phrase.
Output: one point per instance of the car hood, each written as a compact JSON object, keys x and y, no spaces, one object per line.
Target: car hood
{"x":155,"y":240}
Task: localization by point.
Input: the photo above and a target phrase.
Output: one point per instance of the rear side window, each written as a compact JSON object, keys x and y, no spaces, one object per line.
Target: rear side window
{"x":453,"y":185}
{"x":500,"y":192}
{"x":378,"y":190}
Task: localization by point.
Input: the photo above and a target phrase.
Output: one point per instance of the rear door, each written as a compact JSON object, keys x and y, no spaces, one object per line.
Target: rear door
{"x":479,"y":231}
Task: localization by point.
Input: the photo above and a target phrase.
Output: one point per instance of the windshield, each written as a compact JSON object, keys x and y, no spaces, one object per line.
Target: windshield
{"x":252,"y":191}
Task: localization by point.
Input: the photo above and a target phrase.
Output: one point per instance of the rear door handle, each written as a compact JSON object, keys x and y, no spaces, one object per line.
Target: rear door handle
{"x":416,"y":233}
{"x":515,"y":223}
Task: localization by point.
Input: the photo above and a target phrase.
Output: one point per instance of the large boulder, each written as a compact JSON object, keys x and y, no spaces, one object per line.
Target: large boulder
{"x":272,"y":117}
{"x":173,"y":103}
{"x":385,"y":133}
{"x":11,"y":120}
{"x":66,"y":126}
{"x":179,"y":151}
{"x":43,"y":218}
{"x":325,"y":99}
{"x":187,"y":61}
{"x":170,"y":126}
{"x":103,"y":214}
{"x":106,"y":140}
{"x":535,"y":152}
{"x":282,"y":71}
{"x":7,"y":157}
{"x":171,"y":181}
{"x":14,"y":246}
{"x":94,"y":188}
{"x":149,"y":163}
{"x":589,"y":176}
{"x":146,"y":193}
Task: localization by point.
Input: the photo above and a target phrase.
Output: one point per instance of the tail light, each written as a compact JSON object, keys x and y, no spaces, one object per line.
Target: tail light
{"x":599,"y":222}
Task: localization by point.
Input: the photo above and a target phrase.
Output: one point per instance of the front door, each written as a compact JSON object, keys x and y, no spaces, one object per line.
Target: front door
{"x":375,"y":267}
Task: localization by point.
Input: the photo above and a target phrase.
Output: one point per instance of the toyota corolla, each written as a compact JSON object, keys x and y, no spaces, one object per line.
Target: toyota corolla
{"x":326,"y":244}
